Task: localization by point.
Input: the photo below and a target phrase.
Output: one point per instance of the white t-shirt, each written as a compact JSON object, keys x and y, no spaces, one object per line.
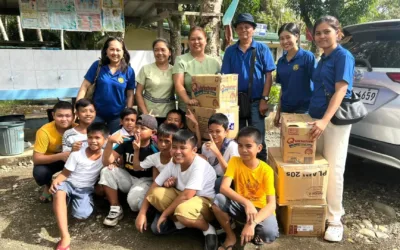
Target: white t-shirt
{"x":70,"y":137}
{"x":153,"y":160}
{"x":84,"y":172}
{"x":231,"y":150}
{"x":199,"y":176}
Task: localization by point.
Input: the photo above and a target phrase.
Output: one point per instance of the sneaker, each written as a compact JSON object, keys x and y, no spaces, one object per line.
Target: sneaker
{"x":211,"y":242}
{"x":116,"y":214}
{"x":334,"y":233}
{"x":167,"y":227}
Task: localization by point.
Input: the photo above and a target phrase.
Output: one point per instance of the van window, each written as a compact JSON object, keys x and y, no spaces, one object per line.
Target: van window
{"x":382,"y":50}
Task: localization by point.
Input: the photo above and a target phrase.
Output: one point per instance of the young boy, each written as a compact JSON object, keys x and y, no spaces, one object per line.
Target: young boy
{"x":219,"y":149}
{"x":126,"y":179}
{"x":77,"y":136}
{"x":187,"y":201}
{"x":47,"y":156}
{"x":128,"y":121}
{"x":75,"y":184}
{"x":252,"y":202}
{"x":177,"y":117}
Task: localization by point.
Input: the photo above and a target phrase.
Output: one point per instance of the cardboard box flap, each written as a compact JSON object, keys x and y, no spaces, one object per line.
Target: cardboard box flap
{"x":296,"y":118}
{"x":277,"y":155}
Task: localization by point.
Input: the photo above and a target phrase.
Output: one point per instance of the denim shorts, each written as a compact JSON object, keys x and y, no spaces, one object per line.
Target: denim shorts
{"x":81,"y":199}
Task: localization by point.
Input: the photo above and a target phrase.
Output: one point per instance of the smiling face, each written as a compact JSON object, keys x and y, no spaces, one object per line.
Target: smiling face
{"x":325,"y":36}
{"x":197,"y":41}
{"x":183,"y":153}
{"x":86,"y":114}
{"x":217,"y":132}
{"x":161,"y":52}
{"x":63,"y":118}
{"x":115,"y":51}
{"x":96,"y":140}
{"x":288,"y":41}
{"x":245,"y":31}
{"x":248,"y":148}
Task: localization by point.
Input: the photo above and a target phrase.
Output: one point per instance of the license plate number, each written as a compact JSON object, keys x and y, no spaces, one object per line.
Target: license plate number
{"x":368,"y":96}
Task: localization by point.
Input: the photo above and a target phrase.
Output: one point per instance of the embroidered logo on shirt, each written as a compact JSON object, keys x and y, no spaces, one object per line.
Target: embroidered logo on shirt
{"x":121,"y":80}
{"x":295,"y":67}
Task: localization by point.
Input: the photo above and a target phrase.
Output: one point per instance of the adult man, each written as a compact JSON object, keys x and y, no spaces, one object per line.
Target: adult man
{"x":237,"y":59}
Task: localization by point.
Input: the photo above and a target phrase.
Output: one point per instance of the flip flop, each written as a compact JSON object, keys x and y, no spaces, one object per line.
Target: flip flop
{"x":58,"y":247}
{"x":228,"y":247}
{"x":45,"y":197}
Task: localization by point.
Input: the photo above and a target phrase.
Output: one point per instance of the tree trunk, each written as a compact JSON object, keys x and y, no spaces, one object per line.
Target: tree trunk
{"x":175,"y":25}
{"x":212,"y":25}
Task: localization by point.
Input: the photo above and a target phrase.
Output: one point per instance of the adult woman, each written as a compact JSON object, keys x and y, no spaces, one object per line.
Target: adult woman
{"x":294,"y":70}
{"x":333,"y":75}
{"x":193,"y":63}
{"x":155,"y":88}
{"x":115,"y":83}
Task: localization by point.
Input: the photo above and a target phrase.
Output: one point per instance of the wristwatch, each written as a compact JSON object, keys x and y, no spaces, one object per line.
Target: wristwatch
{"x":266,"y":98}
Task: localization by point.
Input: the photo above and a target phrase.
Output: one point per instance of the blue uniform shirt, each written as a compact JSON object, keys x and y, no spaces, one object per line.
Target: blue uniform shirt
{"x":295,"y":79}
{"x":110,"y":94}
{"x":337,"y":66}
{"x":237,"y":62}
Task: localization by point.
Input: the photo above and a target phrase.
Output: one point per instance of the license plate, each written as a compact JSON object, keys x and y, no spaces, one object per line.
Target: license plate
{"x":368,"y":96}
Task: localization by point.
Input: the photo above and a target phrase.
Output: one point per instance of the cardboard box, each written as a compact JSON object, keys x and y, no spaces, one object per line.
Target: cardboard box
{"x":303,"y":220}
{"x":215,"y":91}
{"x":296,"y":183}
{"x":204,"y":114}
{"x":296,"y":143}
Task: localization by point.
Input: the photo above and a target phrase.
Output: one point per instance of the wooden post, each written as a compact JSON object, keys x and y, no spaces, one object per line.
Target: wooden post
{"x":39,"y":35}
{"x":62,"y":39}
{"x":21,"y":34}
{"x":3,"y":31}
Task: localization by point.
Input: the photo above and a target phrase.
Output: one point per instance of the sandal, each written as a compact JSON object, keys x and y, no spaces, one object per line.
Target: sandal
{"x":257,"y":241}
{"x":58,"y":247}
{"x":45,"y":197}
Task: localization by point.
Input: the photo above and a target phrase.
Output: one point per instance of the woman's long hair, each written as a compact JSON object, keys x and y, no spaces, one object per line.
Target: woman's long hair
{"x":123,"y":66}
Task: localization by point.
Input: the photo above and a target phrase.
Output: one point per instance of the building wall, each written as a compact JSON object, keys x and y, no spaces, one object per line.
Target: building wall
{"x":139,"y":39}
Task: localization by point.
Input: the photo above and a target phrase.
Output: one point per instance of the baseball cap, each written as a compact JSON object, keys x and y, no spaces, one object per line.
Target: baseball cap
{"x":148,"y":121}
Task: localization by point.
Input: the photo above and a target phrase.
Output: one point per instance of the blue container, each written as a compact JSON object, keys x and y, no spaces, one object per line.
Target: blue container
{"x":11,"y":138}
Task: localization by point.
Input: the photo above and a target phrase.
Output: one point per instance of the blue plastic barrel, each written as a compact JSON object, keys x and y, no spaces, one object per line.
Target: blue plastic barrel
{"x":11,"y":138}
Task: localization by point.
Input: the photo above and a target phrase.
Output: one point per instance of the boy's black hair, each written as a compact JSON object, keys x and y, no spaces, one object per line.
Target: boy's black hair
{"x":183,"y":136}
{"x":250,"y":132}
{"x":219,"y":119}
{"x":128,"y":111}
{"x":179,"y":112}
{"x":167,"y":129}
{"x":63,"y":105}
{"x":83,"y":103}
{"x":98,"y":127}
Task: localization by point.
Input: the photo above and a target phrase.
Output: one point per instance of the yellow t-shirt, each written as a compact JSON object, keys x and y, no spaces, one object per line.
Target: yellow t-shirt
{"x":48,"y":140}
{"x":254,"y":185}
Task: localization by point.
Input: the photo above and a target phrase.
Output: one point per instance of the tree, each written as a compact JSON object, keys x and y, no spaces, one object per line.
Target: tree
{"x":382,"y":10}
{"x":211,"y":25}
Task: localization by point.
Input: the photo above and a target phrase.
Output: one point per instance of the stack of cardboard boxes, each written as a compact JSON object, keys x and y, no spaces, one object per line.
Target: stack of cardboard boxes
{"x":216,"y":94}
{"x":301,"y":178}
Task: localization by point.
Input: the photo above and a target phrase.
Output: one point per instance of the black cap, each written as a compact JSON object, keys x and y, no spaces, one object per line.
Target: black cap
{"x":245,"y":18}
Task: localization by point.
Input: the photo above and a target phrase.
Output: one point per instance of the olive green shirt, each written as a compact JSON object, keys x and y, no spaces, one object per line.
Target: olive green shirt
{"x":189,"y":66}
{"x":158,"y":88}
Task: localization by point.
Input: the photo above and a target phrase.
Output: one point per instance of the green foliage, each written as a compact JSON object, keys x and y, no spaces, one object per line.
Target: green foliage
{"x":244,"y":6}
{"x":274,"y":94}
{"x":382,"y":10}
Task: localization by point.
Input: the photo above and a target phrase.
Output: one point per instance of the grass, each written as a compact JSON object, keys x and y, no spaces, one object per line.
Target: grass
{"x":18,"y":106}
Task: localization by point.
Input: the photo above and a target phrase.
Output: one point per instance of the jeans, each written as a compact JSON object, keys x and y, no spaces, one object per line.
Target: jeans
{"x":258,"y":121}
{"x":43,"y":174}
{"x":112,"y":124}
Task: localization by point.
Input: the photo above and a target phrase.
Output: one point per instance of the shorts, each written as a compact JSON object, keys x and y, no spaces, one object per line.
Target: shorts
{"x":81,"y":199}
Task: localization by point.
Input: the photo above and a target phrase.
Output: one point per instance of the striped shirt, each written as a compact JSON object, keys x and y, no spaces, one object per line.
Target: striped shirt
{"x":70,"y":137}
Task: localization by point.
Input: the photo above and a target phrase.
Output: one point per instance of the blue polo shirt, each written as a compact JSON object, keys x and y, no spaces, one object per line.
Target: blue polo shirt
{"x":337,"y":66}
{"x":237,"y":62}
{"x":295,"y":79}
{"x":110,"y":94}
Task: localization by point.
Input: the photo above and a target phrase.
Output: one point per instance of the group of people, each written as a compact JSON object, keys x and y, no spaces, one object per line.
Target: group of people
{"x":168,"y":176}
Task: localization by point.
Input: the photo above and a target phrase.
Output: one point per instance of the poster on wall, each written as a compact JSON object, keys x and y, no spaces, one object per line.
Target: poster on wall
{"x":73,"y":15}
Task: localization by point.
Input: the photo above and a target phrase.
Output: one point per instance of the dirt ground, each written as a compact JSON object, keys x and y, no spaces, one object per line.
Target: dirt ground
{"x":27,"y":224}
